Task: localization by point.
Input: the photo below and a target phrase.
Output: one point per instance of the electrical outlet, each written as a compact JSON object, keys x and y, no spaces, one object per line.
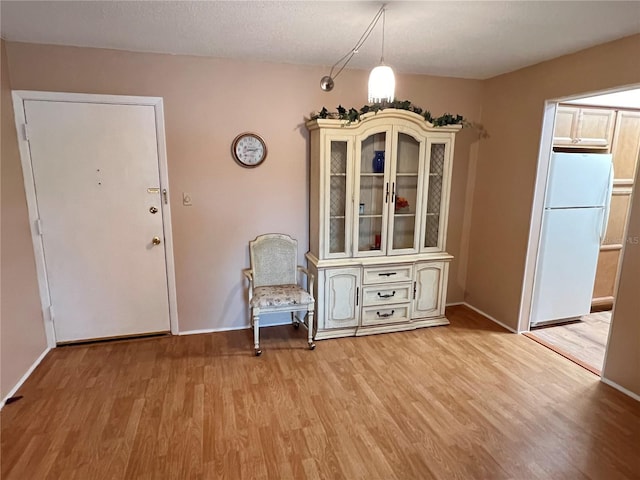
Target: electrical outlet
{"x":186,"y":199}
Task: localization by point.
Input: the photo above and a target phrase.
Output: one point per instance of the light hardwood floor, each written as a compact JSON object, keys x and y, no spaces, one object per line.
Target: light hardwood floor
{"x":585,"y":341}
{"x":466,"y":401}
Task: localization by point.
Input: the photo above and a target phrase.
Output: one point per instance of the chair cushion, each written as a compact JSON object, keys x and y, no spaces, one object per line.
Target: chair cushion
{"x":280,"y":296}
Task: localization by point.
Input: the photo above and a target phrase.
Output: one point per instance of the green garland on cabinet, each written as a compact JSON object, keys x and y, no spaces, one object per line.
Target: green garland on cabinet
{"x":353,"y":115}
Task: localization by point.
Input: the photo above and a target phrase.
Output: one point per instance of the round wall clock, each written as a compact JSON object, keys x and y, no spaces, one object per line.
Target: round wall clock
{"x":249,"y":149}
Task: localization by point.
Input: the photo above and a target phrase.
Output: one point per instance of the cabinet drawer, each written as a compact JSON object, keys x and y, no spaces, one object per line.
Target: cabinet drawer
{"x":391,"y":273}
{"x":386,"y":294}
{"x":381,"y":315}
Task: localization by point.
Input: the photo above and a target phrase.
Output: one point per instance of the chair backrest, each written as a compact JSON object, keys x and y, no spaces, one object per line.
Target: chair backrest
{"x":274,"y":258}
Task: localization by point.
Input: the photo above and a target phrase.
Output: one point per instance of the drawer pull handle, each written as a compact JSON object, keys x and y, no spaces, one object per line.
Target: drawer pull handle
{"x":385,"y":315}
{"x":387,"y":274}
{"x":388,"y":295}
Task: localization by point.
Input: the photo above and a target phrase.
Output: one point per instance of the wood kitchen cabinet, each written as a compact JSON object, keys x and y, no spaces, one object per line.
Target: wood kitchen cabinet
{"x":580,"y":127}
{"x":379,"y":201}
{"x":625,"y":151}
{"x":626,"y":147}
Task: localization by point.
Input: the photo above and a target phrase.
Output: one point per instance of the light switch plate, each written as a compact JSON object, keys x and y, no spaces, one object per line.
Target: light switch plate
{"x":186,"y":199}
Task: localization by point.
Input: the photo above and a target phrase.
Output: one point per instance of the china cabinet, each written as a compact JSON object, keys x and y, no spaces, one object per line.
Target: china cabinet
{"x":379,"y":200}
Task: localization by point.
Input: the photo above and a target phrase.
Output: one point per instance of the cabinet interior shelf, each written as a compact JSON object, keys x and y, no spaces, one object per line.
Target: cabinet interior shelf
{"x":336,"y":217}
{"x":435,"y":174}
{"x":406,"y":174}
{"x":405,"y":214}
{"x":369,"y":174}
{"x":370,"y":216}
{"x":338,"y":174}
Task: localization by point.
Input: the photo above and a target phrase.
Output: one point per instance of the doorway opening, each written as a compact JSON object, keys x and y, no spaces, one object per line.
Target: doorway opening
{"x":589,"y":156}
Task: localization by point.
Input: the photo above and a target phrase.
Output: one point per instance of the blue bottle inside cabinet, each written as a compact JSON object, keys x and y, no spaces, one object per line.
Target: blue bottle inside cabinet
{"x":378,"y":161}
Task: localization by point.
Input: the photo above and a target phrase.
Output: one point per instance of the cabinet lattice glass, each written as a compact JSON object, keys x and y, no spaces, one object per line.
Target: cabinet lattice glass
{"x":379,"y":201}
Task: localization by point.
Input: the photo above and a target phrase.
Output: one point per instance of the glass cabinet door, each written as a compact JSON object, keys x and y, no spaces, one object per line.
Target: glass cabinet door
{"x":433,"y":224}
{"x":337,"y":228}
{"x":405,"y":195}
{"x":372,"y":196}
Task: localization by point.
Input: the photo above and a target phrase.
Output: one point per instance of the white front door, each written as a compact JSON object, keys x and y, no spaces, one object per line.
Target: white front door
{"x":98,"y":193}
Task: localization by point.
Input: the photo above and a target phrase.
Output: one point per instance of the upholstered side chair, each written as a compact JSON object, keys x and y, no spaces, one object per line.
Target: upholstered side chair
{"x":273,"y":283}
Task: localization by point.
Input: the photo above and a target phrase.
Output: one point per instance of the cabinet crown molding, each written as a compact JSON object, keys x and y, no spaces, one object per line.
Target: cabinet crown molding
{"x":384,"y":116}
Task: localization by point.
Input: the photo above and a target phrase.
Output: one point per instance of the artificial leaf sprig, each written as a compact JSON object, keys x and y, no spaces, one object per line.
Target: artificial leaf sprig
{"x":353,"y":115}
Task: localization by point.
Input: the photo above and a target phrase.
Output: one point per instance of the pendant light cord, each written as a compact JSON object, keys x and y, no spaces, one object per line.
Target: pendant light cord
{"x":384,"y":17}
{"x":360,"y":42}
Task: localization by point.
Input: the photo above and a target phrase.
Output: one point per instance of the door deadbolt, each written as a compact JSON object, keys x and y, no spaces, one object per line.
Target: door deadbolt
{"x":153,"y":210}
{"x":155,"y":240}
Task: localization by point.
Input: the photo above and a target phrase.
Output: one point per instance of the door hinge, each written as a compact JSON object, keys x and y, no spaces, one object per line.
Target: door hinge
{"x":51,"y":313}
{"x":25,"y":132}
{"x":39,"y":226}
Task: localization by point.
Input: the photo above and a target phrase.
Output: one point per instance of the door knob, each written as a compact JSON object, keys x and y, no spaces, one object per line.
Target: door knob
{"x":155,"y":240}
{"x":153,"y":210}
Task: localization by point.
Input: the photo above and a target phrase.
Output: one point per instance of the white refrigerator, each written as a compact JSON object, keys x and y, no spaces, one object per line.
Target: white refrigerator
{"x":574,"y":221}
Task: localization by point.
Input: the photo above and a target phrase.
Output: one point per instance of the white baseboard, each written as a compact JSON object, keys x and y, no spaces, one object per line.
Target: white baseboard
{"x":287,"y":322}
{"x":25,"y":376}
{"x":606,"y":381}
{"x":228,"y":329}
{"x":206,"y":330}
{"x":454,"y":304}
{"x":489,"y":317}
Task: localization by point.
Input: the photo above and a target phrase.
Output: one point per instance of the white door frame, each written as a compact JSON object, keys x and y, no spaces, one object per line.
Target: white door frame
{"x":535,"y":227}
{"x":19,"y":97}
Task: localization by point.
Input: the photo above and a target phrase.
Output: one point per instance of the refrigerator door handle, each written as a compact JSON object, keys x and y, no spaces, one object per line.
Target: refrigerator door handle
{"x":607,"y":206}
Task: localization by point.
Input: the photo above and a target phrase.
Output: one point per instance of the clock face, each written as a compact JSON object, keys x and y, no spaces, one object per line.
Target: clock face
{"x":249,"y":149}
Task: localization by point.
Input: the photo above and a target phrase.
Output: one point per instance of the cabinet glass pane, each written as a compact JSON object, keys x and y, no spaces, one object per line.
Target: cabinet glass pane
{"x":372,"y":194}
{"x":406,"y":191}
{"x":434,"y":198}
{"x":370,"y":237}
{"x":408,"y":154}
{"x":337,"y":196}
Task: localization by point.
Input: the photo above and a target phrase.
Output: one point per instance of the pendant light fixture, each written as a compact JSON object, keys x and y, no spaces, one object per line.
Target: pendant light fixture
{"x":381,"y":80}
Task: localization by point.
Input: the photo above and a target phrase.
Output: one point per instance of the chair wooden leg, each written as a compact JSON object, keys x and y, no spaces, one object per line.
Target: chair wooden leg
{"x":256,"y":335}
{"x":310,"y":329}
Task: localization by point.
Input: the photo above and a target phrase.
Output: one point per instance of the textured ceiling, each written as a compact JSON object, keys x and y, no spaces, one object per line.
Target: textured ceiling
{"x":469,"y":39}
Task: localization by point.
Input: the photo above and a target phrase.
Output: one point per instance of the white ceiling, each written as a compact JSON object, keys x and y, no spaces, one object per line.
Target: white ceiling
{"x":624,"y":99}
{"x":468,"y":39}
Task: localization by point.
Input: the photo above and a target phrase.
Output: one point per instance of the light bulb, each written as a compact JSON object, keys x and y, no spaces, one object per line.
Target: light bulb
{"x":382,"y":84}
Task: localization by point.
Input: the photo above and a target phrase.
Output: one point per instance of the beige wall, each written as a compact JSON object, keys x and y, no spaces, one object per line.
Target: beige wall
{"x":207,"y":103}
{"x":505,"y":178}
{"x":622,"y":365}
{"x":22,"y":338}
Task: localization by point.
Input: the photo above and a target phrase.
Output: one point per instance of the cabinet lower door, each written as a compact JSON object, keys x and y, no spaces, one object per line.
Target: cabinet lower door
{"x":429,"y":284}
{"x":342,"y":303}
